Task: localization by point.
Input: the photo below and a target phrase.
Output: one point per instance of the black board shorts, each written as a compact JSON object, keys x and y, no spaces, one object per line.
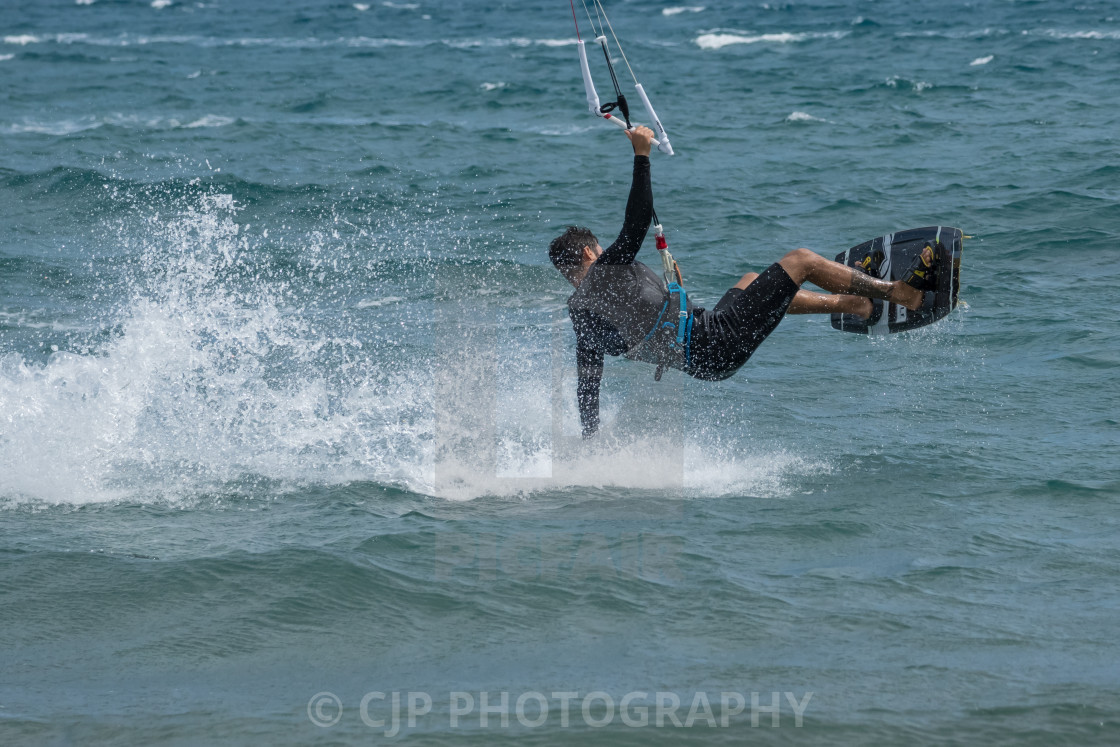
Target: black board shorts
{"x":724,"y":337}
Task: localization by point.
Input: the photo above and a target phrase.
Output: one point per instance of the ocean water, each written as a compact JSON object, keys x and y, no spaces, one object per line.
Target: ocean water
{"x":287,"y":418}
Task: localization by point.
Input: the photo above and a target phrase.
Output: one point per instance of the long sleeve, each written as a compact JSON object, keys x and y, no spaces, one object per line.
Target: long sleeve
{"x":594,"y":336}
{"x":639,"y":213}
{"x":589,"y":369}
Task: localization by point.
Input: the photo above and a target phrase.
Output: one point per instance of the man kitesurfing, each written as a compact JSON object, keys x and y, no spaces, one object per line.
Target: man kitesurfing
{"x":622,"y":307}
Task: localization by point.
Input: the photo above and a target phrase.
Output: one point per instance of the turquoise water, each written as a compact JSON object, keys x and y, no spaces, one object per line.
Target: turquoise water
{"x":287,"y":386}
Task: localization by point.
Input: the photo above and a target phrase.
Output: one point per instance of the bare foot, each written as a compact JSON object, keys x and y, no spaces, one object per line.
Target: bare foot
{"x":921,"y":275}
{"x":903,"y":295}
{"x":867,"y":307}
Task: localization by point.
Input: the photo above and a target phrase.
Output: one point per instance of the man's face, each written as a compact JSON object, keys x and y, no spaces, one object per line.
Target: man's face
{"x":588,"y":255}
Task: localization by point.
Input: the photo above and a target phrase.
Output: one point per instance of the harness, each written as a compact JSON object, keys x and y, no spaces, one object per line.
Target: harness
{"x":679,"y":332}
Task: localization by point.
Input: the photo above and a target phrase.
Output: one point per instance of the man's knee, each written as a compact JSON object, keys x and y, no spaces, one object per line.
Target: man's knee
{"x":798,"y":262}
{"x":800,"y":256}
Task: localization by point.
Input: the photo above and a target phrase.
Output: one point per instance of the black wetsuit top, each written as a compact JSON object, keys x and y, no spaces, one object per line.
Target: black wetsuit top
{"x":721,"y":340}
{"x":595,"y":335}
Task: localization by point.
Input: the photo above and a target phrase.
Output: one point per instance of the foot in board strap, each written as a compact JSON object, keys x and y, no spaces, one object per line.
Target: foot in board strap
{"x":922,"y":275}
{"x":872,"y":265}
{"x":917,"y":287}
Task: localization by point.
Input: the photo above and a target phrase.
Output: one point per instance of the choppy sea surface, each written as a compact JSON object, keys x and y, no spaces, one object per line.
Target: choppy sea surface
{"x":287,"y":418}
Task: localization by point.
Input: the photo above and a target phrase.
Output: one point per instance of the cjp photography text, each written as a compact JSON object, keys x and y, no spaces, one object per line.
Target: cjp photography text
{"x":392,"y":712}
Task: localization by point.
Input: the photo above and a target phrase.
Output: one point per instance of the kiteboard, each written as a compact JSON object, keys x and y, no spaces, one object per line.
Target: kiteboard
{"x":888,"y":258}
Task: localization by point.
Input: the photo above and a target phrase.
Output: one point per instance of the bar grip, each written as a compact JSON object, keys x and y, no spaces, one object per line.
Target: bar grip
{"x":588,"y":85}
{"x":663,"y":143}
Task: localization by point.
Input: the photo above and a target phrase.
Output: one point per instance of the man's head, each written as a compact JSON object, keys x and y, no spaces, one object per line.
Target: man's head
{"x":573,"y":252}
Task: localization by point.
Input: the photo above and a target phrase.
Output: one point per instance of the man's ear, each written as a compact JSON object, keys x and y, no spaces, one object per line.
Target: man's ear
{"x":588,"y":253}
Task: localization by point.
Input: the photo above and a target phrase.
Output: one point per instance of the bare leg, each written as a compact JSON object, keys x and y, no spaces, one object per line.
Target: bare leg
{"x":804,"y":265}
{"x":807,"y":302}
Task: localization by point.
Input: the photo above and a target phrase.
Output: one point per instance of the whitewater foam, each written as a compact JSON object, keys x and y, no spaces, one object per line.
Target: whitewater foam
{"x":60,"y":128}
{"x":210,"y":120}
{"x":214,"y":374}
{"x":721,"y":40}
{"x":373,"y":303}
{"x":209,"y":380}
{"x":897,"y":81}
{"x":1092,"y":34}
{"x":128,"y":40}
{"x":677,"y":10}
{"x":117,"y":119}
{"x":803,"y":117}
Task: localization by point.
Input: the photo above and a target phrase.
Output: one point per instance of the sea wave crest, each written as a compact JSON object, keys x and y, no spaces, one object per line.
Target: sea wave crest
{"x":725,"y":39}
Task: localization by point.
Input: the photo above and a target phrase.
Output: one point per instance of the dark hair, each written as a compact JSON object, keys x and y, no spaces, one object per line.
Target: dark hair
{"x":566,"y":249}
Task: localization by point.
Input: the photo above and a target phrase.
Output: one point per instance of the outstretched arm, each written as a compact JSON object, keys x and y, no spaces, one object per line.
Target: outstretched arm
{"x":639,"y":206}
{"x":590,"y":366}
{"x":589,"y":362}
